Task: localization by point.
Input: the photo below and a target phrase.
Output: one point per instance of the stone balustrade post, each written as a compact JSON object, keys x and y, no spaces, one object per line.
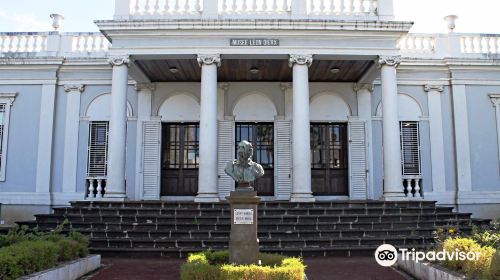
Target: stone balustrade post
{"x":299,"y":9}
{"x":122,"y":9}
{"x":385,"y":9}
{"x":210,"y":9}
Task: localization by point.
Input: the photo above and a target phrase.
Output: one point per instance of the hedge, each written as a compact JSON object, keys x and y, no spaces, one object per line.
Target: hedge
{"x":23,"y":253}
{"x":214,"y":266}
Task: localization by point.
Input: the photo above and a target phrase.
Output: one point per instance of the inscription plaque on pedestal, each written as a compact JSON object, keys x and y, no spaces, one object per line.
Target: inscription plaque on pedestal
{"x":243,"y":217}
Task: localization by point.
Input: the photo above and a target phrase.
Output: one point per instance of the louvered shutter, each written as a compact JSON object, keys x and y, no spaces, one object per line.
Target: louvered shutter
{"x":2,"y":124}
{"x":410,"y":148}
{"x":283,"y":159}
{"x":97,"y":162}
{"x":225,"y":154}
{"x":358,"y":164}
{"x":151,"y":160}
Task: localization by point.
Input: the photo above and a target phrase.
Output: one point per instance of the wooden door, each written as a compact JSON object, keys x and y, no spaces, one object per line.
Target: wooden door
{"x":180,"y":159}
{"x":261,"y":135}
{"x":329,"y":161}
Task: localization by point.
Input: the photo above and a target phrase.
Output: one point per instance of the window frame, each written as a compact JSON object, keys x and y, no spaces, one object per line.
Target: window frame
{"x":93,"y":175}
{"x":419,"y":152}
{"x":6,"y":98}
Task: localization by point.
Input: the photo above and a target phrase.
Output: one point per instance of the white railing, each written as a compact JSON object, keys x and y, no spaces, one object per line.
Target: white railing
{"x":164,"y":7}
{"x":412,"y":186}
{"x":480,"y":44}
{"x":23,"y":42}
{"x":248,"y":7}
{"x":417,"y":43}
{"x":342,"y":7}
{"x":89,"y":42}
{"x":96,"y":187}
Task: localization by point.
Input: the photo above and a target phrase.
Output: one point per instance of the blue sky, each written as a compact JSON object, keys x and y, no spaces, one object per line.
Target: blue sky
{"x":477,"y":16}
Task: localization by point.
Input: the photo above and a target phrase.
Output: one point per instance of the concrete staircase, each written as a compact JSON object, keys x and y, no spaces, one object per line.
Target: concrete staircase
{"x":339,"y":228}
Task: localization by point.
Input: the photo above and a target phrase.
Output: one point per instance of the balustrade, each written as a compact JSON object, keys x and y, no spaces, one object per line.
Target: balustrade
{"x":412,"y":186}
{"x":96,"y":187}
{"x":231,"y":7}
{"x":23,"y":42}
{"x":480,"y":44}
{"x":342,"y":7}
{"x":417,"y":43}
{"x":164,"y":7}
{"x":91,"y":42}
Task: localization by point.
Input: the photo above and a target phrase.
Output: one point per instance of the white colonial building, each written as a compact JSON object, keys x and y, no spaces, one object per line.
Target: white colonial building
{"x":339,"y":101}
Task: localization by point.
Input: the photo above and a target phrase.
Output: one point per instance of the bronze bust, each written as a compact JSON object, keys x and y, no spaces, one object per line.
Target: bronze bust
{"x":243,"y":170}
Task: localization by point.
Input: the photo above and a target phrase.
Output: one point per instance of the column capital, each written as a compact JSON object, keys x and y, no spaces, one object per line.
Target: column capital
{"x":145,"y":86}
{"x":393,"y":61}
{"x":208,"y":59}
{"x":495,"y":99}
{"x":437,"y":88}
{"x":285,"y":86}
{"x":300,"y":59}
{"x":74,"y":88}
{"x":358,"y":87}
{"x":119,"y":60}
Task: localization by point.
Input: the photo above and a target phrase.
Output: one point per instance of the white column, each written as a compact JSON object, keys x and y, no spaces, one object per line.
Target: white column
{"x":45,"y":140}
{"x":364,"y":98}
{"x":495,"y":99}
{"x":71,"y":130}
{"x":301,"y":145}
{"x":462,"y":147}
{"x":144,"y":97}
{"x":115,"y":185}
{"x":393,"y":187}
{"x":207,"y":183}
{"x":436,"y":137}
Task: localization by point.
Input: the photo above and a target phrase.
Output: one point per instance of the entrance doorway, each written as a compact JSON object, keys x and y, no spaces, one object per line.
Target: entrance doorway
{"x":180,"y":159}
{"x":329,"y":159}
{"x":261,"y":135}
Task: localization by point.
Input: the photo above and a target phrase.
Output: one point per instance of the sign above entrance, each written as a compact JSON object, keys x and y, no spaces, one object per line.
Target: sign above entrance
{"x":243,"y":216}
{"x":254,"y":42}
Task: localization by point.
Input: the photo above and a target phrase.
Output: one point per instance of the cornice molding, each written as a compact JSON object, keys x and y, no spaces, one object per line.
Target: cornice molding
{"x":392,"y":61}
{"x":74,"y":88}
{"x":300,"y":59}
{"x":358,"y":87}
{"x":119,"y":60}
{"x":10,"y":96}
{"x":436,"y":88}
{"x":208,"y":59}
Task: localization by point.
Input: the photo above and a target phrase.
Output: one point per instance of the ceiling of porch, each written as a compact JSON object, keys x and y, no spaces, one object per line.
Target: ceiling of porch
{"x":264,"y":70}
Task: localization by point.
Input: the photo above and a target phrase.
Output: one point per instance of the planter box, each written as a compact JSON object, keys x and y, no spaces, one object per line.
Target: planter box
{"x":427,"y":271}
{"x":68,"y":271}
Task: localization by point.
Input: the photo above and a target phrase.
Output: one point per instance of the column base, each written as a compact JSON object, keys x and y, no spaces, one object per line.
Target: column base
{"x":394,"y":197}
{"x":207,"y":197}
{"x":302,"y":197}
{"x":114,"y":197}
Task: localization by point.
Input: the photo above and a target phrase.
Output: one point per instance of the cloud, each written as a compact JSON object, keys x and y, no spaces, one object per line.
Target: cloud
{"x":24,"y":22}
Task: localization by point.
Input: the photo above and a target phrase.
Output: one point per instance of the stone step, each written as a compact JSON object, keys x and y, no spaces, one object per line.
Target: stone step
{"x":262,"y":205}
{"x":115,"y":211}
{"x":285,"y":219}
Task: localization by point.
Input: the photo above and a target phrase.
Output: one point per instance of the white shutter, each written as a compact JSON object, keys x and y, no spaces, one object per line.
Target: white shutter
{"x":357,"y":161}
{"x":410,"y":148}
{"x":225,"y":154}
{"x":151,"y":159}
{"x":97,"y":161}
{"x":283,"y":159}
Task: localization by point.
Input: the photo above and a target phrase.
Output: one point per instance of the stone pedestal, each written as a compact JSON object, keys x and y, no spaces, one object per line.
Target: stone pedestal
{"x":243,"y":242}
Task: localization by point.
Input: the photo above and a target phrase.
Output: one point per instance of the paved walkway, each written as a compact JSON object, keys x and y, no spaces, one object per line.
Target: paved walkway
{"x":362,"y":268}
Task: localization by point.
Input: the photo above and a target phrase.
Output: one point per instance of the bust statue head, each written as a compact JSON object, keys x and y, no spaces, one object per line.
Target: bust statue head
{"x":245,"y":150}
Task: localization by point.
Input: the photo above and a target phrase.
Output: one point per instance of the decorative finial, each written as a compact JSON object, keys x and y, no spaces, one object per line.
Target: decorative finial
{"x":56,"y":21}
{"x":450,"y":19}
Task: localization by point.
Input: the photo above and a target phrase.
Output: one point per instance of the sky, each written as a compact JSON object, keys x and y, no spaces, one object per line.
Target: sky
{"x":477,"y":16}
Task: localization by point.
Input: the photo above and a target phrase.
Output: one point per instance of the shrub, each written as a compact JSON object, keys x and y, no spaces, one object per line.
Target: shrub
{"x":460,"y":245}
{"x":481,"y":266}
{"x":210,"y":266}
{"x":487,"y":237}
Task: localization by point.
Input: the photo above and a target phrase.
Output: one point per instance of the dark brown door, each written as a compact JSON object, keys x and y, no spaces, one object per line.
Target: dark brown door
{"x":180,"y":159}
{"x":261,"y":135}
{"x":329,"y":159}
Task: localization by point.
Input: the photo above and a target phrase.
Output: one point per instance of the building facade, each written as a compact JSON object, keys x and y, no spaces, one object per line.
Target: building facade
{"x":338,"y":99}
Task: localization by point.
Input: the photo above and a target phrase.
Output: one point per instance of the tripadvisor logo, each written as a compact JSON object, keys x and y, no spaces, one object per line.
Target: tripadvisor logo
{"x":387,"y":255}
